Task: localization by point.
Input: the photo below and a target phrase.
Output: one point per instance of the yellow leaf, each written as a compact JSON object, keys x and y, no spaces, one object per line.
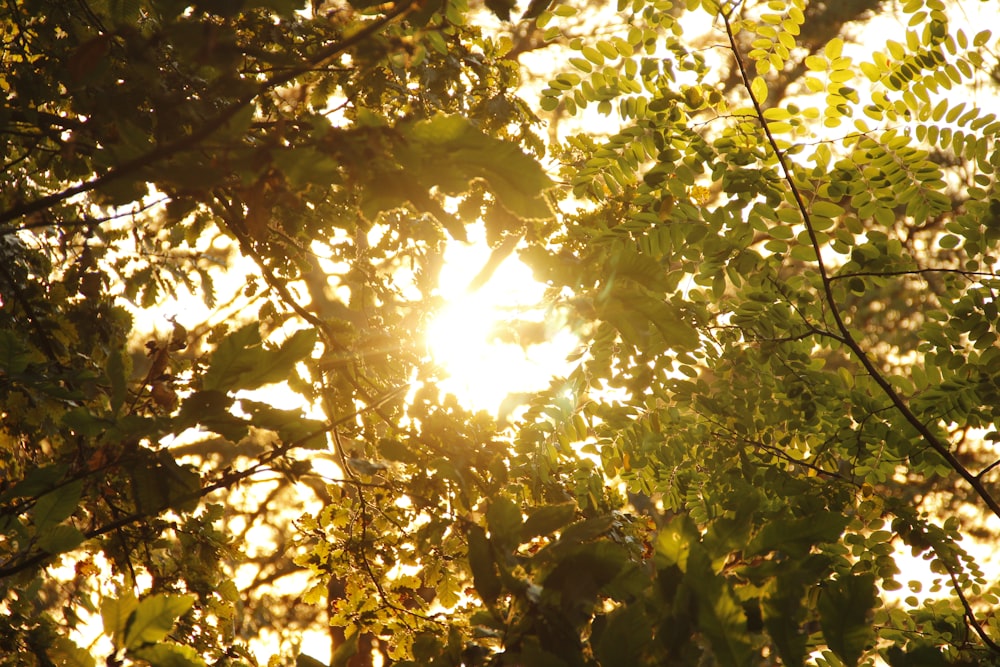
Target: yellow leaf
{"x":833,"y":48}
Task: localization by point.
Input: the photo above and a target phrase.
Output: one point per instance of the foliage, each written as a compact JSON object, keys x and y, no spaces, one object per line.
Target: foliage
{"x":782,"y":276}
{"x":767,"y":304}
{"x":146,"y":144}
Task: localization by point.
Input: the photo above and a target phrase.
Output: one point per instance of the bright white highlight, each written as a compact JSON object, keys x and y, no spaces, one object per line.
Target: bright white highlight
{"x":483,"y":366}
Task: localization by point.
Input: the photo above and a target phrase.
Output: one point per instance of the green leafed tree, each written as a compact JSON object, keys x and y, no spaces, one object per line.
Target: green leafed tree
{"x":148,"y":148}
{"x":777,"y":252}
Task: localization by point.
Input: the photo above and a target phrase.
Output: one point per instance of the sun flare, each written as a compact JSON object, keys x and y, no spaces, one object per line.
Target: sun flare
{"x":475,"y":338}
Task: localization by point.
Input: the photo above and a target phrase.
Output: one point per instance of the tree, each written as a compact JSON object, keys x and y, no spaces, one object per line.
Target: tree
{"x":146,"y":144}
{"x":780,"y":267}
{"x":756,"y":291}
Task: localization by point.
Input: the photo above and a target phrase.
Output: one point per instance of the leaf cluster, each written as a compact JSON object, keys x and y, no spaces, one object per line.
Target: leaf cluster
{"x":782,"y":277}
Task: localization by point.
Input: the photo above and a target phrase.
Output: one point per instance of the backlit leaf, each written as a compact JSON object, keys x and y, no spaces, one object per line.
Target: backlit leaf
{"x":720,"y":616}
{"x":115,"y":613}
{"x":844,"y":607}
{"x":154,"y":617}
{"x":242,"y":362}
{"x":60,"y":539}
{"x":547,"y":519}
{"x":504,"y":520}
{"x":169,"y":654}
{"x":484,"y":569}
{"x":57,"y":505}
{"x":449,"y":151}
{"x":797,"y":536}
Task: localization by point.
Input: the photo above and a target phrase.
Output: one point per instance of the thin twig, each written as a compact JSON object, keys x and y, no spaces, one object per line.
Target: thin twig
{"x":988,"y":468}
{"x":906,"y":272}
{"x":969,"y":613}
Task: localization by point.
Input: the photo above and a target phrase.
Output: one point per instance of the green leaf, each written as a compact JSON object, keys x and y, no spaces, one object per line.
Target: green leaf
{"x":580,"y":575}
{"x":827,"y":209}
{"x":115,"y":613}
{"x":57,"y":505}
{"x":123,"y":12}
{"x":65,"y":653}
{"x":242,"y":362}
{"x":290,"y":425}
{"x":622,"y":638}
{"x":394,"y":450}
{"x":673,"y":544}
{"x":115,"y":370}
{"x":676,"y":332}
{"x":303,"y":660}
{"x":211,"y":409}
{"x":782,"y":611}
{"x":347,"y":650}
{"x":885,"y":216}
{"x":804,"y":253}
{"x":547,"y":519}
{"x":501,"y":8}
{"x":15,"y":354}
{"x":449,"y":152}
{"x":727,"y":534}
{"x":154,"y":617}
{"x":533,"y":655}
{"x":232,"y":360}
{"x":169,"y":654}
{"x":84,"y":423}
{"x":504,"y":520}
{"x":844,"y":607}
{"x":160,"y":483}
{"x":585,"y":530}
{"x":36,"y":482}
{"x":949,"y":241}
{"x":535,"y":9}
{"x":720,"y":616}
{"x":305,"y":166}
{"x":485,"y":576}
{"x":796,"y":536}
{"x":919,"y":656}
{"x":60,"y":539}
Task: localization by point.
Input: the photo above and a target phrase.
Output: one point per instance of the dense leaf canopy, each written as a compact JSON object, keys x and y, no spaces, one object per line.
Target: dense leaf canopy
{"x":222,"y":225}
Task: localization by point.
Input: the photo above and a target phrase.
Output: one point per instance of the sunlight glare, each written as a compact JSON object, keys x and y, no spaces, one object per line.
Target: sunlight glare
{"x":482,"y":366}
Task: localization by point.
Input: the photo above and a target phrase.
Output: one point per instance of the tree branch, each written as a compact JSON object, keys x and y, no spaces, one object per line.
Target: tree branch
{"x":970,"y":275}
{"x":969,"y":613}
{"x":210,"y":127}
{"x":849,"y":340}
{"x":226,"y":479}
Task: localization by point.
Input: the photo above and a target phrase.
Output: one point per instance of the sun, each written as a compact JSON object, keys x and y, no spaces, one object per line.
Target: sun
{"x":498,"y":340}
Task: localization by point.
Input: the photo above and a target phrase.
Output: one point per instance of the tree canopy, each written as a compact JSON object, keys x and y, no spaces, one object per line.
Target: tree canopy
{"x":222,"y":225}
